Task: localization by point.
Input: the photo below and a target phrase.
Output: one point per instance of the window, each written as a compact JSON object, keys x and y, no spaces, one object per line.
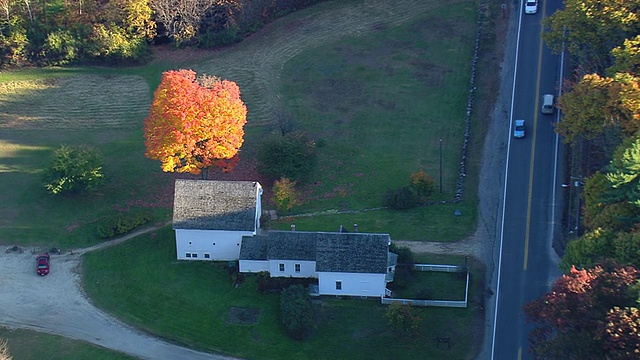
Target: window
{"x":297,"y":267}
{"x":207,"y":256}
{"x":188,"y":255}
{"x":194,"y":255}
{"x":338,"y":285}
{"x":281,"y":267}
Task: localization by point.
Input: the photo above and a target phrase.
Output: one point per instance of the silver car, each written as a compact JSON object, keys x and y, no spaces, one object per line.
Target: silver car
{"x":518,"y":129}
{"x":547,"y":104}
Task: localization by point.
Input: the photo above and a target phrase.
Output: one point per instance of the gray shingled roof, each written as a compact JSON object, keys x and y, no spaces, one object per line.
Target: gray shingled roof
{"x":292,"y":245}
{"x":352,"y":252}
{"x":333,"y":252}
{"x":254,"y":248}
{"x":215,"y":205}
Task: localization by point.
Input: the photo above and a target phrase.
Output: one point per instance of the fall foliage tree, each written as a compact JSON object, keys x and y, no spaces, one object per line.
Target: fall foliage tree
{"x":597,"y":104}
{"x":622,"y":333}
{"x":584,"y":108}
{"x":182,"y":18}
{"x":589,"y":29}
{"x":285,"y":194}
{"x":423,"y":184}
{"x":195,"y":123}
{"x":627,"y":57}
{"x":571,"y":318}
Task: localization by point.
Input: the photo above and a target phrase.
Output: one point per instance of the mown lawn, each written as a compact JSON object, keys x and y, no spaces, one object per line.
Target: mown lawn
{"x":27,"y":344}
{"x":379,"y":101}
{"x":142,"y":283}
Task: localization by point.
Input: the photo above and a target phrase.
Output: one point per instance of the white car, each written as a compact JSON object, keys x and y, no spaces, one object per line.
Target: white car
{"x":530,"y":6}
{"x":547,"y":104}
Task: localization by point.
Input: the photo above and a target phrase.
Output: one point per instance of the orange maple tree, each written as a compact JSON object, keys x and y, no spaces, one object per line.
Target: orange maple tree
{"x":195,"y":123}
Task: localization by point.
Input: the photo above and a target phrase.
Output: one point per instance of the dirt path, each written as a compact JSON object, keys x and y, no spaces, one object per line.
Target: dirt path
{"x":56,"y":303}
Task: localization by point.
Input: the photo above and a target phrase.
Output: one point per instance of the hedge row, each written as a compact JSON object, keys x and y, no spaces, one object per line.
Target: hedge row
{"x":123,"y":223}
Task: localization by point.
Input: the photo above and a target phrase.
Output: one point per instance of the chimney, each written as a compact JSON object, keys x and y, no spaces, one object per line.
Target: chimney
{"x":355,"y":227}
{"x":293,"y":227}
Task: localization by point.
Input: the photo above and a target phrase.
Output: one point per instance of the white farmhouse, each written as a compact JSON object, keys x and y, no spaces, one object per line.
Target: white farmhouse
{"x":220,"y":220}
{"x":351,"y":264}
{"x":211,"y":217}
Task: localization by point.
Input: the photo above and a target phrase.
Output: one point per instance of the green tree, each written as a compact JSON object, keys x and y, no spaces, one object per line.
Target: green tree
{"x":627,"y":248}
{"x":624,"y":172}
{"x":620,"y":216}
{"x":292,"y":156}
{"x":593,"y":193}
{"x":403,"y":319}
{"x":400,"y":199}
{"x":405,"y":254}
{"x":74,"y":168}
{"x":297,"y":312}
{"x":592,"y":248}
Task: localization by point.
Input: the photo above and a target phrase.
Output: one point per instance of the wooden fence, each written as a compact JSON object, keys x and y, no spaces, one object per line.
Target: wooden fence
{"x":440,"y":303}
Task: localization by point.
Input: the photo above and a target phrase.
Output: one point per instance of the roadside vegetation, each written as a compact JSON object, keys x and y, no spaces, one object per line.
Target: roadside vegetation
{"x":372,"y":125}
{"x":592,"y":311}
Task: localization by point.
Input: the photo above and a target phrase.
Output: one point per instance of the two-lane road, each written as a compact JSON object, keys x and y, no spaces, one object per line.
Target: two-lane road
{"x":526,"y":266}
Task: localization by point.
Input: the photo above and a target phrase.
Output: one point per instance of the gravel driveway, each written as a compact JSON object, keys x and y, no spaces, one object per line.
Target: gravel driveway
{"x":55,"y":304}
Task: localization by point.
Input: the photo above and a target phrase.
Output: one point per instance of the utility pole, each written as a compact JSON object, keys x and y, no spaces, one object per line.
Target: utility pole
{"x":440,"y":166}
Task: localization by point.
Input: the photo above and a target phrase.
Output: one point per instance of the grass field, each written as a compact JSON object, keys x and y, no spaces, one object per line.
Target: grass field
{"x":189,"y":302}
{"x":379,"y":91}
{"x":27,"y":345}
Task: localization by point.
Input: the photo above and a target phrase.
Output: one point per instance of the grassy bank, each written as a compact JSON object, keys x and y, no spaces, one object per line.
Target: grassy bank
{"x":27,"y":344}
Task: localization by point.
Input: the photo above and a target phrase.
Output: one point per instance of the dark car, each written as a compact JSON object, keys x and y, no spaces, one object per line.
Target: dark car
{"x":43,"y":264}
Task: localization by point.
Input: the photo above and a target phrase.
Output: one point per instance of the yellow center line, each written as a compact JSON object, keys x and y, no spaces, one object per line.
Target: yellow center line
{"x":533,"y":156}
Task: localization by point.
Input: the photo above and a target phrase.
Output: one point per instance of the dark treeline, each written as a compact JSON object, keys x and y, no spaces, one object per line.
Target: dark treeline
{"x":120,"y":32}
